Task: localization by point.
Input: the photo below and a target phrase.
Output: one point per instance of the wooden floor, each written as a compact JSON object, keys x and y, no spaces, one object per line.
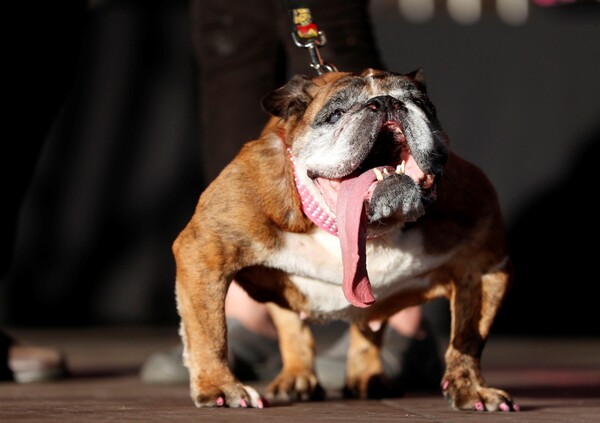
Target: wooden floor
{"x":553,"y":380}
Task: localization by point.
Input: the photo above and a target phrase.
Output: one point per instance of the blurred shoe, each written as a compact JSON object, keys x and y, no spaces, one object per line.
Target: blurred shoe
{"x":413,"y":364}
{"x":165,"y":367}
{"x":23,"y":363}
{"x":252,"y":356}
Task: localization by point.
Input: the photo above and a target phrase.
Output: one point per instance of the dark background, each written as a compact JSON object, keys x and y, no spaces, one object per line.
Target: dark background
{"x":119,"y":174}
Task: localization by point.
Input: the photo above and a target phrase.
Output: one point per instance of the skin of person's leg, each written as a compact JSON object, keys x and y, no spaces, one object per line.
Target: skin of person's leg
{"x":409,"y":322}
{"x":251,"y":314}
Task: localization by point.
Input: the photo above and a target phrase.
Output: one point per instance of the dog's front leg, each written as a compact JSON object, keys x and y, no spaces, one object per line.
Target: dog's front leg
{"x":297,"y":379}
{"x":200,"y":294}
{"x":474,"y":302}
{"x":364,"y":369}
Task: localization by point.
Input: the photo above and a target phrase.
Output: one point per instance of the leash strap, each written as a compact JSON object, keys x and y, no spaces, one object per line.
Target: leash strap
{"x":306,"y":34}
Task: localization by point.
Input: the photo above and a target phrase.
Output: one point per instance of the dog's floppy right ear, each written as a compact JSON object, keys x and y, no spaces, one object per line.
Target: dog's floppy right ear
{"x":291,"y":99}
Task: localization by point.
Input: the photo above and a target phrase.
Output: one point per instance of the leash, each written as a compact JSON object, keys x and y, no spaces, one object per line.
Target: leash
{"x":306,"y":34}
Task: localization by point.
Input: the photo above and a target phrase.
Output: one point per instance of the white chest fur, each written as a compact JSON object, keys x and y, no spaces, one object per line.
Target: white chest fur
{"x":314,"y":262}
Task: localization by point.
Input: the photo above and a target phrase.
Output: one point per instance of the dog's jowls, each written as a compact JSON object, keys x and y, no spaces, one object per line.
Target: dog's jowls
{"x":349,"y":206}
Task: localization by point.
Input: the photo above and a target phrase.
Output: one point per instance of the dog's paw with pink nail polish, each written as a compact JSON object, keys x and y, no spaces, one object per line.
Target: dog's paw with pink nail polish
{"x":229,"y":395}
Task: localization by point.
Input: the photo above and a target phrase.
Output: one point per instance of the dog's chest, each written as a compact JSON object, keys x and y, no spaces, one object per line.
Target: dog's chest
{"x":313,"y":262}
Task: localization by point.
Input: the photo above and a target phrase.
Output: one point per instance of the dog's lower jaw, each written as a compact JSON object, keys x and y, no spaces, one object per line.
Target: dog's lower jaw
{"x":398,"y":196}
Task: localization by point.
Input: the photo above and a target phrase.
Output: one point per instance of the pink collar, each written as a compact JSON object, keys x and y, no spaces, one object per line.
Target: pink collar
{"x":311,"y":207}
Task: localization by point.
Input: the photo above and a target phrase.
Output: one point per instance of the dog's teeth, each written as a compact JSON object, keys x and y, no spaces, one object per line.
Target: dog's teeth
{"x":378,"y":174}
{"x":385,"y":172}
{"x":400,"y":168}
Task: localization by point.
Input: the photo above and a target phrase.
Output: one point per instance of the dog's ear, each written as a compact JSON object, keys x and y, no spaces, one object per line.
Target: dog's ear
{"x":418,"y":77}
{"x":291,"y":99}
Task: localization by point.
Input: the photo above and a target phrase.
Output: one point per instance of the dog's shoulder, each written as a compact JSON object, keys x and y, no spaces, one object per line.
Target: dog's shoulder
{"x":259,"y":182}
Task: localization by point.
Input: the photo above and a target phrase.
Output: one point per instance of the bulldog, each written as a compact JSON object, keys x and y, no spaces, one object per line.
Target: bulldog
{"x":350,"y":206}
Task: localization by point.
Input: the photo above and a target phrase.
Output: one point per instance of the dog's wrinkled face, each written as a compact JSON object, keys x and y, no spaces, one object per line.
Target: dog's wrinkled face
{"x":368,"y":149}
{"x":378,"y":124}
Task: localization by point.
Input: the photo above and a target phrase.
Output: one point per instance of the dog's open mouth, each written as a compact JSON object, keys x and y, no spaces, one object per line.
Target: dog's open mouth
{"x":389,"y":155}
{"x":348,"y":198}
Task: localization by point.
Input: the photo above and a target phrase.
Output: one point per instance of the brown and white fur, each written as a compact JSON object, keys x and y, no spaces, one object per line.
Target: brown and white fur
{"x":428,"y":225}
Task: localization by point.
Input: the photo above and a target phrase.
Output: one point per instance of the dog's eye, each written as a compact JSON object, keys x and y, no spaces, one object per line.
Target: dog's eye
{"x":335,"y":116}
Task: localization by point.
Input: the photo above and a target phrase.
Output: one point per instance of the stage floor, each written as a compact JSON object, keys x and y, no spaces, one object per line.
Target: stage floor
{"x":552,"y":380}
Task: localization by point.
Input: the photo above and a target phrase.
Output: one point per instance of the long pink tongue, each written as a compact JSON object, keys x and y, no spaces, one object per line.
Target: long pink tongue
{"x":352,"y":224}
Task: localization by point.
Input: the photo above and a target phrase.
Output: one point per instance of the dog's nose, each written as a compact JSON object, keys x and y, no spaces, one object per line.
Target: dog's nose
{"x":385,"y":103}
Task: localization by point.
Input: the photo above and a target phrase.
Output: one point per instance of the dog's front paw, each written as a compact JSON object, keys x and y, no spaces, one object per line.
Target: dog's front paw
{"x":396,"y":194}
{"x":296,"y":385}
{"x":462,"y":394}
{"x":228,"y":395}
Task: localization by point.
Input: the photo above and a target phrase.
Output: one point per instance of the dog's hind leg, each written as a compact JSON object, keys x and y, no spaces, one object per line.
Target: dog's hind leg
{"x":364,"y":369}
{"x":297,"y":379}
{"x":474,"y":302}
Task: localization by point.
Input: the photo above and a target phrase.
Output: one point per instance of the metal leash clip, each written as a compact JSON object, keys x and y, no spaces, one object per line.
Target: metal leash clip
{"x":307,"y":35}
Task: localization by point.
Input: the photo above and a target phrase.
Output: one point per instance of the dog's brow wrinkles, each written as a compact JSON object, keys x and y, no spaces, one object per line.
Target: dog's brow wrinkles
{"x":355,"y":82}
{"x":342,"y":100}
